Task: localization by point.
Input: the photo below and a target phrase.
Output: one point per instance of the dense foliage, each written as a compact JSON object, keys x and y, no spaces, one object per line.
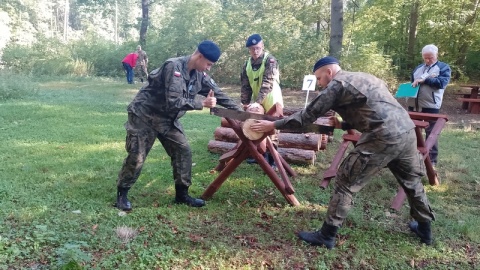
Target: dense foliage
{"x":384,"y":37}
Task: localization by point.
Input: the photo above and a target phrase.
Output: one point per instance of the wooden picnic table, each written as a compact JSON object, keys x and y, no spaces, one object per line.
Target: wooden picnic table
{"x":473,"y":89}
{"x":471,"y":101}
{"x":421,"y":121}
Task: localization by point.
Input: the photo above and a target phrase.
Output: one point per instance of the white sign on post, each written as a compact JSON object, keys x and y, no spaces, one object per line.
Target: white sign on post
{"x":309,"y":82}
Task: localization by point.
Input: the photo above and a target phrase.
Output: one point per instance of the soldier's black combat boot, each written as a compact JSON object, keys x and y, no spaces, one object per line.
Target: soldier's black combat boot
{"x":422,"y":230}
{"x":122,"y":200}
{"x":182,"y":196}
{"x":324,"y":237}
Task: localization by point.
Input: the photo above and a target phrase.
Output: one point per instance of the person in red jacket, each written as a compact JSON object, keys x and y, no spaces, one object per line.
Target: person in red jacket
{"x":129,"y":64}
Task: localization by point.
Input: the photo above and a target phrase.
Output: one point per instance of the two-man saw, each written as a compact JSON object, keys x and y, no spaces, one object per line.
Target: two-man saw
{"x":321,"y":125}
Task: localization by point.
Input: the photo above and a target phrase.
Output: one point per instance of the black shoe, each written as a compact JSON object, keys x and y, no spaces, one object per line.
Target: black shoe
{"x":122,"y":201}
{"x":269,"y":158}
{"x":274,"y":167}
{"x":422,"y":230}
{"x":324,"y":237}
{"x":182,"y":197}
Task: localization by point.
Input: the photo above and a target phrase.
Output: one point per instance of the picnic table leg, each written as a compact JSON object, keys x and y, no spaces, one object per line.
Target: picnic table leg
{"x":432,"y":138}
{"x":332,"y":170}
{"x":465,"y":104}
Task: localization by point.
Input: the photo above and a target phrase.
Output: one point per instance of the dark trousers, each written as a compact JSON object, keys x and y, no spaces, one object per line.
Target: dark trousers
{"x":129,"y":72}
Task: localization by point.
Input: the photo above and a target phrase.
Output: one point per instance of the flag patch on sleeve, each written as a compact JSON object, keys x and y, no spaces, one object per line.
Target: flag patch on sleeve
{"x":176,"y":74}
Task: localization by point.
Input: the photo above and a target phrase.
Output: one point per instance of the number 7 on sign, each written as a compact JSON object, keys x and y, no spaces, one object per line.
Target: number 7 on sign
{"x":309,"y":82}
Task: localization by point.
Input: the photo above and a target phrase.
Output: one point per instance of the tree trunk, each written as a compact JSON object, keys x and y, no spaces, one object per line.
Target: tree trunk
{"x":291,"y":155}
{"x":298,"y":156}
{"x":412,"y":35}
{"x":310,"y":141}
{"x":116,"y":22}
{"x":65,"y":20}
{"x":144,"y":25}
{"x":300,"y":141}
{"x":336,"y":28}
{"x":225,"y":134}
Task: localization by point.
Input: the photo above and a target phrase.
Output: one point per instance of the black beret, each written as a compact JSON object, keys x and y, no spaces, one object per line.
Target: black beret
{"x":210,"y":50}
{"x":327,"y":60}
{"x":253,"y":40}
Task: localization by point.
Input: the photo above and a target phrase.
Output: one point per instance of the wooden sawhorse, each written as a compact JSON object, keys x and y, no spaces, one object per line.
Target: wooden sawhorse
{"x":424,"y":146}
{"x":248,"y":148}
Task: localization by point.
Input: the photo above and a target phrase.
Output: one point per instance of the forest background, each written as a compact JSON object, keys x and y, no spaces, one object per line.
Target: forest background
{"x":383,"y":37}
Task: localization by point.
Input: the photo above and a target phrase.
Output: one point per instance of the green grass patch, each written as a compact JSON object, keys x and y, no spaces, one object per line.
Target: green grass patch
{"x":61,"y":152}
{"x":16,"y":86}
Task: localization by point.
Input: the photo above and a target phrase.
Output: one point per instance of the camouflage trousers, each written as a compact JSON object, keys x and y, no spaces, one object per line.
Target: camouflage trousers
{"x":141,"y":72}
{"x":402,"y":158}
{"x":139,"y":141}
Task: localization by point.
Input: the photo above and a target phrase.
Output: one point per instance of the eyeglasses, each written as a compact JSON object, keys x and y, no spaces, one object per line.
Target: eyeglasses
{"x":255,"y":49}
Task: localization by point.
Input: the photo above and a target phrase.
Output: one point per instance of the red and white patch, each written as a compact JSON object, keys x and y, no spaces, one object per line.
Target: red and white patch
{"x":177,"y":74}
{"x":272,"y":60}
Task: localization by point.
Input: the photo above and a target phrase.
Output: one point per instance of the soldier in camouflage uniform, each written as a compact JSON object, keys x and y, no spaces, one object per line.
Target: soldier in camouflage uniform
{"x":172,"y":89}
{"x":388,"y":140}
{"x":260,"y":79}
{"x":142,"y":64}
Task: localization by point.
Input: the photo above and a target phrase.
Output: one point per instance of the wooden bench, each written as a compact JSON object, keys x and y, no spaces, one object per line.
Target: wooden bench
{"x":463,"y":95}
{"x":474,"y":104}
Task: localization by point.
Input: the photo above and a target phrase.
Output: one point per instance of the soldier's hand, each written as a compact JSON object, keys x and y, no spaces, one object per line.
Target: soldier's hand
{"x":210,"y":101}
{"x":335,"y":122}
{"x":262,"y":126}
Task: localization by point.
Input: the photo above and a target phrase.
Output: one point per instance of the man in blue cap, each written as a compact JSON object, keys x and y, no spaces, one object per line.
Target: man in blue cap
{"x":388,"y":140}
{"x":260,"y":76}
{"x":153,"y":114}
{"x":260,"y":79}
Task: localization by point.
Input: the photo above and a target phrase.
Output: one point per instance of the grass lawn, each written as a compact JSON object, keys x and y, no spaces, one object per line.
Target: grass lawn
{"x":63,"y":147}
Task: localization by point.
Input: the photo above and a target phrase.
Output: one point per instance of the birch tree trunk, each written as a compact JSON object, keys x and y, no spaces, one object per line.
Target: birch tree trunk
{"x":65,"y":21}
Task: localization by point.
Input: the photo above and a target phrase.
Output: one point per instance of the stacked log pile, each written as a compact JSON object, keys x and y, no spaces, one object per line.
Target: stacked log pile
{"x":295,"y":148}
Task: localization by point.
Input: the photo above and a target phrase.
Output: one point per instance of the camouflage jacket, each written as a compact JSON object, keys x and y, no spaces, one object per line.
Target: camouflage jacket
{"x":271,"y":72}
{"x":171,"y":91}
{"x":363,"y":101}
{"x":142,"y":59}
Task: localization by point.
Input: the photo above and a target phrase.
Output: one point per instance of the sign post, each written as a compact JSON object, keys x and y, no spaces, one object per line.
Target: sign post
{"x":309,"y":82}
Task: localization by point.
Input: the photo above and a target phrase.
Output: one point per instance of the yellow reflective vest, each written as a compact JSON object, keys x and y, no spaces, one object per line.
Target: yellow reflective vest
{"x":255,"y":77}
